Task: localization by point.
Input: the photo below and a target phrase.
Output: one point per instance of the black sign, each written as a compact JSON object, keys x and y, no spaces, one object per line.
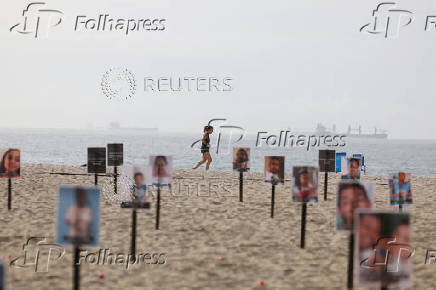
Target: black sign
{"x":97,"y":160}
{"x":327,"y":160}
{"x":114,"y":154}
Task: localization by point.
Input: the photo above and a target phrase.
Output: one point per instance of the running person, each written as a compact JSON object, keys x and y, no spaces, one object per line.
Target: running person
{"x":205,"y":145}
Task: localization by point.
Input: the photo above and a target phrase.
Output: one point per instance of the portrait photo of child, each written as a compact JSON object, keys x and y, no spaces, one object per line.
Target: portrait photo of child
{"x":352,"y":195}
{"x":10,"y":163}
{"x":274,"y":170}
{"x":135,"y":187}
{"x":304,"y":184}
{"x":241,"y":159}
{"x":78,"y":216}
{"x":400,"y":188}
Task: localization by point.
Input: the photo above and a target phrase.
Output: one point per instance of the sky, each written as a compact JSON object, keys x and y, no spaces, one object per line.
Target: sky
{"x":293,"y":64}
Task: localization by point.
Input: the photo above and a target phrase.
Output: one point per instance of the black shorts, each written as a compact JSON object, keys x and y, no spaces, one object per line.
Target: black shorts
{"x":204,"y":149}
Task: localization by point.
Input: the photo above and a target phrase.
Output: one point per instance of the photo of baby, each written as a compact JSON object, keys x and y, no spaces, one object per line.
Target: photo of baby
{"x":274,"y":170}
{"x":400,"y":188}
{"x":78,"y":216}
{"x":383,"y":248}
{"x":352,"y":195}
{"x":304,"y":184}
{"x":241,"y":159}
{"x":10,"y":163}
{"x":135,"y":193}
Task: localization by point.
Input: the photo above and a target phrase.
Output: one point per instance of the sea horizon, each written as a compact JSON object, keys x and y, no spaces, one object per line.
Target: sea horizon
{"x":59,"y":146}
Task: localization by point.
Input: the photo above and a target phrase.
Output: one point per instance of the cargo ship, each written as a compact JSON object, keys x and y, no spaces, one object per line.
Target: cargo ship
{"x":378,"y":134}
{"x":352,"y":132}
{"x":117,"y":127}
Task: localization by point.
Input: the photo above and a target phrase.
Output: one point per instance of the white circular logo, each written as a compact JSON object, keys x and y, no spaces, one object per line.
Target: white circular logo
{"x":118,"y":84}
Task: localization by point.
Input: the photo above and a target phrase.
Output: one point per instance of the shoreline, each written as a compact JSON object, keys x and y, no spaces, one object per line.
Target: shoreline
{"x":109,"y":170}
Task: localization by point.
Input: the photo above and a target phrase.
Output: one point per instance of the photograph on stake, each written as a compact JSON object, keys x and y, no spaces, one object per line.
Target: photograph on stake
{"x":241,"y":159}
{"x":136,"y":190}
{"x":400,"y":188}
{"x":162,"y":171}
{"x":304,"y":184}
{"x":353,"y":169}
{"x":352,"y":195}
{"x":78,"y":216}
{"x":274,"y":170}
{"x":383,"y":248}
{"x":10,"y":163}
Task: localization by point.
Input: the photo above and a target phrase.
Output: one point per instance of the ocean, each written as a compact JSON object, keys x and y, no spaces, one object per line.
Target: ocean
{"x":69,"y":147}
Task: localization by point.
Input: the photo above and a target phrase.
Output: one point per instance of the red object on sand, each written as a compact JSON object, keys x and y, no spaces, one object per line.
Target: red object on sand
{"x":260,"y":283}
{"x":221,"y":258}
{"x":174,"y":268}
{"x":101,"y":275}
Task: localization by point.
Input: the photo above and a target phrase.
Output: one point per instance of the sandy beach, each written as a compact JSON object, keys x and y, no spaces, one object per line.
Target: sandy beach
{"x":209,"y":238}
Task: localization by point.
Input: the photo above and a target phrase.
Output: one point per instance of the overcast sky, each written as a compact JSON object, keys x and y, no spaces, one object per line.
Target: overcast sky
{"x":293,"y":64}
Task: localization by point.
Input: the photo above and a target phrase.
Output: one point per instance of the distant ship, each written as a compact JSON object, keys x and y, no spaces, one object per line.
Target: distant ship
{"x":353,"y":133}
{"x":382,"y":134}
{"x":117,"y":126}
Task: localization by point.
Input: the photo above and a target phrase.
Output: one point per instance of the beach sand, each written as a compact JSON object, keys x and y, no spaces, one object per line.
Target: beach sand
{"x":199,"y":226}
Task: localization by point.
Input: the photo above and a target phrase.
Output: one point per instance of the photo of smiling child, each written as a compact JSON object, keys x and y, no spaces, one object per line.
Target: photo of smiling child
{"x":162,"y":171}
{"x":274,"y":170}
{"x":10,"y":163}
{"x":241,"y":159}
{"x":352,"y":195}
{"x":304,"y":184}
